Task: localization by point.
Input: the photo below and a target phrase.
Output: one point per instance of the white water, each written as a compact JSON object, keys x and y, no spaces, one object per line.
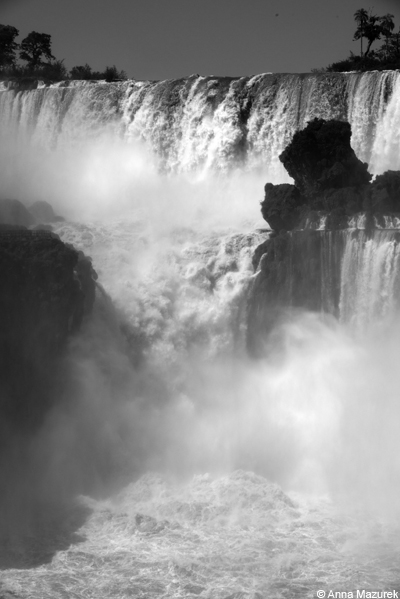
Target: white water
{"x":99,"y":133}
{"x":174,"y":392}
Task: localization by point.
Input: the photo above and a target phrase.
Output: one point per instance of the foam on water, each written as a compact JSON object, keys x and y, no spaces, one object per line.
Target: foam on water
{"x":235,"y":536}
{"x":160,"y":183}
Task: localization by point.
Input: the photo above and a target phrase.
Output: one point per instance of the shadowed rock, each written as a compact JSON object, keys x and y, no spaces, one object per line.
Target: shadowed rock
{"x":46,"y":289}
{"x":43,"y":212}
{"x":13,"y":212}
{"x":320,"y":157}
{"x":384,"y":193}
{"x":330,"y":182}
{"x":282,"y":205}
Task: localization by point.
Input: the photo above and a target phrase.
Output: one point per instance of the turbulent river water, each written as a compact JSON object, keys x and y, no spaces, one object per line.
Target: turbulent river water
{"x":175,"y":465}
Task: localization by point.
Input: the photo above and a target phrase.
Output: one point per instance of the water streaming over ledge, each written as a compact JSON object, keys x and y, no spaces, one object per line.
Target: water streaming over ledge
{"x":163,"y":180}
{"x":213,"y":123}
{"x":370,"y":278}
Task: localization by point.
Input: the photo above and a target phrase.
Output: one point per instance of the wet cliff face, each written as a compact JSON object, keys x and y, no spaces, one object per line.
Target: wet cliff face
{"x":43,"y":297}
{"x":296,"y":270}
{"x":331,"y":207}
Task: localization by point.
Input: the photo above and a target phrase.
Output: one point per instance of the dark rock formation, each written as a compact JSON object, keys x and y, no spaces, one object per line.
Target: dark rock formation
{"x":320,"y":157}
{"x":45,"y":227}
{"x":328,"y":176}
{"x":300,"y":269}
{"x":296,"y":270}
{"x":282,"y":206}
{"x":46,"y":288}
{"x":13,"y":212}
{"x":330,"y":181}
{"x":340,"y":204}
{"x":43,"y":212}
{"x":384,"y":193}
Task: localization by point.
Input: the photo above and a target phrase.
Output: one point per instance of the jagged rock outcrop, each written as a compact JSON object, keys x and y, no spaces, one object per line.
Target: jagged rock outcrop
{"x":328,"y":177}
{"x":300,"y":267}
{"x":320,"y":157}
{"x":282,"y":206}
{"x":329,"y":181}
{"x":46,"y":289}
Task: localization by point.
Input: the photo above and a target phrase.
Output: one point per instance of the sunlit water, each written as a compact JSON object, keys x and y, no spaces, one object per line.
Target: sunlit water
{"x":219,"y":434}
{"x":236,"y":536}
{"x":230,"y":477}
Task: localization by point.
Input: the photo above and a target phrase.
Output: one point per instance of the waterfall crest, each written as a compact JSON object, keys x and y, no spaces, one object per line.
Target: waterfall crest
{"x":203,"y":124}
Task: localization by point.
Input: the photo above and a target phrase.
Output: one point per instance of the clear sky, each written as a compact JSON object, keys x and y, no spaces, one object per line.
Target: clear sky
{"x":162,"y":39}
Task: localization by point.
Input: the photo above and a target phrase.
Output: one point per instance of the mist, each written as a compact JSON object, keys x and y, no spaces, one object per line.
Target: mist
{"x":319,"y":417}
{"x":159,"y":378}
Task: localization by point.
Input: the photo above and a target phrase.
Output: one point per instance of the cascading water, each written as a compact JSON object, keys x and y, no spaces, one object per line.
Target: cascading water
{"x":370,"y":278}
{"x":160,"y":183}
{"x":204,"y":124}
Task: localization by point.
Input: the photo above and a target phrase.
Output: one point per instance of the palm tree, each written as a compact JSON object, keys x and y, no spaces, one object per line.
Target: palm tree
{"x":361,"y":18}
{"x":372,"y":31}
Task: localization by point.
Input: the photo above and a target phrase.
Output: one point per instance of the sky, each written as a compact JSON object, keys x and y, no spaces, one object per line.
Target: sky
{"x":164,"y":39}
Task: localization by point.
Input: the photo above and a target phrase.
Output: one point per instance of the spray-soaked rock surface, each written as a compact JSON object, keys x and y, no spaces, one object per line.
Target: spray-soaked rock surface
{"x":317,"y":218}
{"x":46,"y":289}
{"x":330,"y":183}
{"x":320,"y":157}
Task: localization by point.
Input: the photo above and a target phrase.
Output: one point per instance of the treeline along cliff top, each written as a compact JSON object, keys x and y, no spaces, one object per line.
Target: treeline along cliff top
{"x":32,"y":57}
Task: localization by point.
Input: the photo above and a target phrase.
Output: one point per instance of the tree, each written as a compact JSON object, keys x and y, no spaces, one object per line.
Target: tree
{"x":372,"y":31}
{"x":370,"y":27}
{"x":8,"y":45}
{"x":387,"y":26}
{"x":55,"y":70}
{"x":34,"y":47}
{"x":81,"y":72}
{"x":109,"y":74}
{"x":361,"y":18}
{"x":112,"y":74}
{"x":394,"y":47}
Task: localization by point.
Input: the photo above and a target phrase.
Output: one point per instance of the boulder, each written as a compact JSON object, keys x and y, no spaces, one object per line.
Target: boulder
{"x":282,"y":206}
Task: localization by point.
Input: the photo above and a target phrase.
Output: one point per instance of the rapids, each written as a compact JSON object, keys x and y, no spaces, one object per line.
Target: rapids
{"x":174,"y":465}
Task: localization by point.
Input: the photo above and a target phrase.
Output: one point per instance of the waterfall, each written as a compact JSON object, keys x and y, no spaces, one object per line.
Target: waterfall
{"x":196,"y":364}
{"x":203,"y":124}
{"x":370,"y":277}
{"x":160,"y":183}
{"x":352,"y":274}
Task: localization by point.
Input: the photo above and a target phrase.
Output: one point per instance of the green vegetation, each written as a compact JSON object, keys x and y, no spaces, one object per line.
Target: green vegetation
{"x":371,"y":28}
{"x":39,"y":63}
